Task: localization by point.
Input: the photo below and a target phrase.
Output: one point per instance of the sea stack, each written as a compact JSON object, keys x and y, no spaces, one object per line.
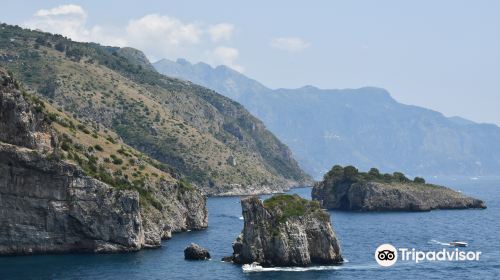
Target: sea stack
{"x":285,"y":230}
{"x":348,"y":189}
{"x":195,"y":252}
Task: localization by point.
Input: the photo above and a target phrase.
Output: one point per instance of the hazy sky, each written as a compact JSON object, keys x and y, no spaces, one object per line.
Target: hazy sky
{"x":443,"y":55}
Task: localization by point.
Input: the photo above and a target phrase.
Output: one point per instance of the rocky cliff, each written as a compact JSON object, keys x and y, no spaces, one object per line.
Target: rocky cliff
{"x":181,"y":208}
{"x":348,"y":189}
{"x":22,"y":123}
{"x":51,"y":204}
{"x":285,"y":230}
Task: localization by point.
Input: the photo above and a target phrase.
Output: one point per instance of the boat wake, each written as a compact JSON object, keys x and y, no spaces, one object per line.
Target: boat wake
{"x":249,"y":268}
{"x":433,"y":241}
{"x":230,"y":216}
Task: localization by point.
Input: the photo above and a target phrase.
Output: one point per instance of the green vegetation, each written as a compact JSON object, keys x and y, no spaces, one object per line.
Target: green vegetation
{"x":73,"y":147}
{"x":286,"y":206}
{"x":116,"y":160}
{"x":350,"y":174}
{"x":184,"y":185}
{"x":419,"y":180}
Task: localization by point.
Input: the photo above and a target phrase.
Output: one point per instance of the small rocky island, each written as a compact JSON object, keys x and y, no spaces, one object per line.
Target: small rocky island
{"x":196,"y":252}
{"x":285,"y":230}
{"x":346,"y":188}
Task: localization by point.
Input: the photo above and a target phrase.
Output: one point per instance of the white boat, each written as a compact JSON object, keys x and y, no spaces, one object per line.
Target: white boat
{"x":458,"y":243}
{"x":253,"y":267}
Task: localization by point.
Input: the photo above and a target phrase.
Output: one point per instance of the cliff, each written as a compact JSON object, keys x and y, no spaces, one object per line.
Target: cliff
{"x":63,"y":188}
{"x":348,"y":189}
{"x":51,"y":206}
{"x":285,"y":230}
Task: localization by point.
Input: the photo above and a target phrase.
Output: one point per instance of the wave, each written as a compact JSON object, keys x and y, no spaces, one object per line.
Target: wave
{"x":230,"y":216}
{"x":248,"y":268}
{"x":433,"y":241}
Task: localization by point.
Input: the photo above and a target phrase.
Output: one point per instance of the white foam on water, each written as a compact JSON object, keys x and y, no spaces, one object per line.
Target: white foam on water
{"x":248,"y":268}
{"x":433,"y":241}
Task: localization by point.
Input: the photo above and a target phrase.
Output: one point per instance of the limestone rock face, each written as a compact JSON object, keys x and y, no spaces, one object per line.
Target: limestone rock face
{"x":365,"y":192}
{"x":195,"y":252}
{"x":21,"y":124}
{"x":183,"y":209}
{"x":50,"y":206}
{"x":285,"y":231}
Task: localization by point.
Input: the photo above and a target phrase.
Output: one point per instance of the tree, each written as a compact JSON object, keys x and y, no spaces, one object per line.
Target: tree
{"x":74,"y":53}
{"x":60,"y":47}
{"x":40,"y":40}
{"x":387,"y":177}
{"x":350,"y":172}
{"x":400,"y":177}
{"x":419,"y":180}
{"x":374,"y":172}
{"x":336,"y":173}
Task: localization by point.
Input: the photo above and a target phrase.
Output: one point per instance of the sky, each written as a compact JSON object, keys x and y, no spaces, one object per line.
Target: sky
{"x":443,"y":55}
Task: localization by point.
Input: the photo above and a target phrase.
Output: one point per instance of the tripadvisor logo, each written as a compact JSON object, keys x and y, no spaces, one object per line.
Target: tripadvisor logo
{"x":387,"y":255}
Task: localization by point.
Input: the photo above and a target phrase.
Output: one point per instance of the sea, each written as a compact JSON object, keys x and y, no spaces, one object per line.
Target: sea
{"x":360,"y":233}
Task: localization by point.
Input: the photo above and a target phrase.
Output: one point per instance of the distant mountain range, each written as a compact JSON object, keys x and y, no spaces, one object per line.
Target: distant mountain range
{"x":364,"y":127}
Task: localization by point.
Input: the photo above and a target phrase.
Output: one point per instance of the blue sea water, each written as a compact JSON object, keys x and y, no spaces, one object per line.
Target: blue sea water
{"x":359,"y":234}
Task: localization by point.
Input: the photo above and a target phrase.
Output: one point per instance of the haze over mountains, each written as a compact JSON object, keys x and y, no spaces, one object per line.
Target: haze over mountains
{"x":364,"y":127}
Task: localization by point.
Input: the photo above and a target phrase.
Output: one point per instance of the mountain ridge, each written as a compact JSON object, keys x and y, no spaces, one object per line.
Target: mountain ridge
{"x":365,"y":127}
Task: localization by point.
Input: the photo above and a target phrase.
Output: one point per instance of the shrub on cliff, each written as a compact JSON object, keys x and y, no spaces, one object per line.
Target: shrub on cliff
{"x":339,"y":174}
{"x":419,"y":180}
{"x":286,"y":206}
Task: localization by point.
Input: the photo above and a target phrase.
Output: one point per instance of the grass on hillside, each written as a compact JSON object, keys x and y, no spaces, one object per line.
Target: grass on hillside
{"x":287,"y":206}
{"x":102,"y":155}
{"x":186,"y":126}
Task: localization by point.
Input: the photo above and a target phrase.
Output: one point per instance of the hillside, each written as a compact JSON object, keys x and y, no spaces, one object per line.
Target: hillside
{"x":206,"y":137}
{"x":363,"y":127}
{"x":66,"y":186}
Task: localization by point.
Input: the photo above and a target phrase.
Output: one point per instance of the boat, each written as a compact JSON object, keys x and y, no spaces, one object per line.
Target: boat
{"x":253,"y":267}
{"x":458,"y":243}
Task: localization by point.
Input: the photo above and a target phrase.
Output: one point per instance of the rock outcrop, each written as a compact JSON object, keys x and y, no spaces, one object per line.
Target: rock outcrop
{"x":195,"y":252}
{"x":285,"y":230}
{"x":183,"y":209}
{"x":48,"y":205}
{"x":22,"y":123}
{"x":348,"y":189}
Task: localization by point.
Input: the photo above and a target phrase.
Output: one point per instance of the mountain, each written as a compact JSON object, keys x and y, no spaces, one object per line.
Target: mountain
{"x":66,"y":186}
{"x":364,"y":127}
{"x":211,"y":140}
